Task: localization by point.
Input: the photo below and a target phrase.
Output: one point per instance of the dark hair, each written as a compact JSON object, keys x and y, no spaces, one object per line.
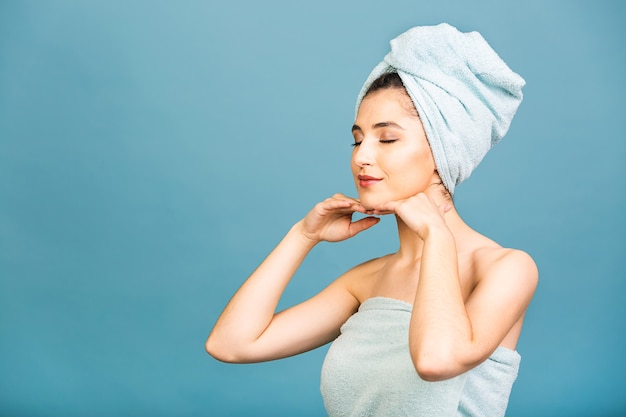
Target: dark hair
{"x":391,"y":80}
{"x":385,"y":81}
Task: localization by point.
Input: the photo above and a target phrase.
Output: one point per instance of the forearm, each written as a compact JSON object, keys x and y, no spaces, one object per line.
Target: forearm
{"x":253,"y":306}
{"x":440,"y":326}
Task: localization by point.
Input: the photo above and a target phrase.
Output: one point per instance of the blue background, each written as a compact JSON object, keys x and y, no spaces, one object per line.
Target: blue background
{"x":153,"y":152}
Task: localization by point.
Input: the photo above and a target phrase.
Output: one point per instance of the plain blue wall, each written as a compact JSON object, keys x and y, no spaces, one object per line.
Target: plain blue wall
{"x":153,"y":152}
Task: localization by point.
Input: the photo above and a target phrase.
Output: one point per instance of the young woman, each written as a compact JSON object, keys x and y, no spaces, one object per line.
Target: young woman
{"x":430,"y":330}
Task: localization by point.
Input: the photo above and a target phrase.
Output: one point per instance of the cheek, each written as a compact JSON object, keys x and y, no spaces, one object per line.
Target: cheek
{"x":408,"y":160}
{"x":415,"y":168}
{"x":353,"y":166}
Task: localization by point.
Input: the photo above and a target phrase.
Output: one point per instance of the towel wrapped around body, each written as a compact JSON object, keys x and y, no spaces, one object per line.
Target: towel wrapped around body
{"x":368,"y":372}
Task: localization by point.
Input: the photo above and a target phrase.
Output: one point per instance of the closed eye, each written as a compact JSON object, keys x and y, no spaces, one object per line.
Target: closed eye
{"x":355,"y":144}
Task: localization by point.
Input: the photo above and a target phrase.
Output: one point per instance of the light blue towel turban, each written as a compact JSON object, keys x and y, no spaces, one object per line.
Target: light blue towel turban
{"x":465,"y":94}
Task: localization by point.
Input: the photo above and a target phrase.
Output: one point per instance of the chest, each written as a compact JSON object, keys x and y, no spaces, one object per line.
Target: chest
{"x":401,"y":281}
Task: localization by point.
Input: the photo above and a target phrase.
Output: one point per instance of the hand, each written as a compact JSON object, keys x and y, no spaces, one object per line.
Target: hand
{"x":419,"y":212}
{"x":331,"y":220}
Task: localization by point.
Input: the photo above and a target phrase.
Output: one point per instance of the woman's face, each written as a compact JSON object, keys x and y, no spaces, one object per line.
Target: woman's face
{"x":391,"y":158}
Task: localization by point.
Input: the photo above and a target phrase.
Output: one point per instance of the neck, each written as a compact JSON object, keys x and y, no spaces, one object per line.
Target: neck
{"x":411,"y":245}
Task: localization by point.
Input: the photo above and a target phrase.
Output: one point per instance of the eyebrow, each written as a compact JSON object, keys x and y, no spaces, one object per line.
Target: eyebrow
{"x":378,"y":126}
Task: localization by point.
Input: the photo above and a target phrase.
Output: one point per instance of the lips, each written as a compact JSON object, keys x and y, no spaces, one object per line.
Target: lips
{"x":367,"y":181}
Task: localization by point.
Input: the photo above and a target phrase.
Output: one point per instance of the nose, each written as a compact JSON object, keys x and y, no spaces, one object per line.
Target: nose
{"x":363,"y":154}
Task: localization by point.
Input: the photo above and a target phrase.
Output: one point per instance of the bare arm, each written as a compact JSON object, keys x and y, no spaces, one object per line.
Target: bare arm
{"x":250,"y":330}
{"x":449,"y":335}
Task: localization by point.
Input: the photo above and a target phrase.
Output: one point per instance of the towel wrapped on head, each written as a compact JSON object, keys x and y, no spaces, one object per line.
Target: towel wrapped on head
{"x":465,"y":95}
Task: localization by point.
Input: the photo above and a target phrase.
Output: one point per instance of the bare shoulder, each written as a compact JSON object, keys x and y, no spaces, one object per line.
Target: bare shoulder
{"x":498,"y":258}
{"x":359,"y":279}
{"x":514,"y":267}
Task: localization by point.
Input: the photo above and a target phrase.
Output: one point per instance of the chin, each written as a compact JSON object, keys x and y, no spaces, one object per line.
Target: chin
{"x":368,"y":202}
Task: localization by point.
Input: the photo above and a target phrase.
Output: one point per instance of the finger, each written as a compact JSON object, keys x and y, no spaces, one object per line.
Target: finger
{"x":387,"y":207}
{"x":362,"y":224}
{"x":331,"y":204}
{"x":349,"y":204}
{"x":382,"y":212}
{"x":346,"y":198}
{"x":359,"y":207}
{"x":339,"y":196}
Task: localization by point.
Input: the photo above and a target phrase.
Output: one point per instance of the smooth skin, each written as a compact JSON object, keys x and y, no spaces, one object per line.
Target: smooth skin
{"x":469,"y":294}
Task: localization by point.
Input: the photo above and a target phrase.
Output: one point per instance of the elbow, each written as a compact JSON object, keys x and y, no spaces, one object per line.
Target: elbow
{"x":220,"y":352}
{"x":432,"y":373}
{"x":435,"y":366}
{"x":213,"y":350}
